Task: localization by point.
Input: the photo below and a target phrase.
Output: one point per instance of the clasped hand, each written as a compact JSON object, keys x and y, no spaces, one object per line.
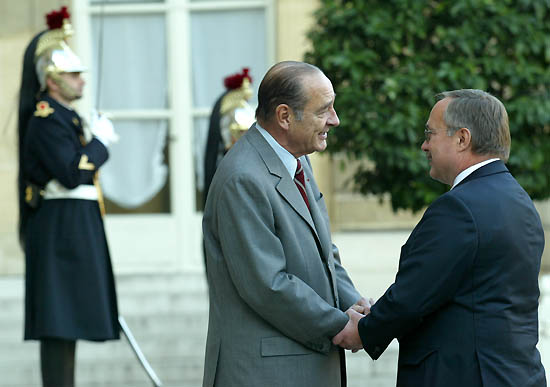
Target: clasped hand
{"x":348,"y":337}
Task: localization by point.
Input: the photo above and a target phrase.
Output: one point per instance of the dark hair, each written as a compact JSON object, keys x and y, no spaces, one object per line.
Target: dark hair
{"x":283,"y":84}
{"x":484,"y":116}
{"x":30,"y":88}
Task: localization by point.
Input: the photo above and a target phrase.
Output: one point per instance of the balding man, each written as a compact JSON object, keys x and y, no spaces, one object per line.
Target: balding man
{"x":277,"y":290}
{"x":464,"y":304}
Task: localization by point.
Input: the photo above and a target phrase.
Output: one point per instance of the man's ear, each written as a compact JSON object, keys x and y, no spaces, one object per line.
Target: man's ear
{"x":463,"y":138}
{"x":50,"y":84}
{"x":283,"y":116}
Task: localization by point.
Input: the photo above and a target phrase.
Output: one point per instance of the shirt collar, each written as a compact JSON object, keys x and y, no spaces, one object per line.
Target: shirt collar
{"x":288,"y":160}
{"x":468,"y":171}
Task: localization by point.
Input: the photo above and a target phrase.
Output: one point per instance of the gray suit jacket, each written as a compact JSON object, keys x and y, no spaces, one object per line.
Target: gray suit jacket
{"x":277,"y":289}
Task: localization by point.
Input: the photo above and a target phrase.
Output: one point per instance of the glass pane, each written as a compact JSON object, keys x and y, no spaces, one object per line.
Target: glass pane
{"x":132,"y":72}
{"x":135,"y":178}
{"x":96,"y":2}
{"x":223,"y":42}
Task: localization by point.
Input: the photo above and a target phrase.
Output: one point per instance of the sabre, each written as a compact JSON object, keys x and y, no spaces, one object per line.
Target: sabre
{"x":141,"y":357}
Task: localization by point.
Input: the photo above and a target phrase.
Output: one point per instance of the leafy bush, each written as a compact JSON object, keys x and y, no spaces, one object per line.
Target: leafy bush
{"x":388,"y":58}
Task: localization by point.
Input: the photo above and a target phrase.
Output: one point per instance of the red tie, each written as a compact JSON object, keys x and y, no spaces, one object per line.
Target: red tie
{"x":300,"y":182}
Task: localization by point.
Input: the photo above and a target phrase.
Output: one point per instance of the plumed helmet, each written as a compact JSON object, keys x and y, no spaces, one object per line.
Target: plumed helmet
{"x":230,"y":118}
{"x":53,"y":55}
{"x":46,"y":54}
{"x":237,"y":115}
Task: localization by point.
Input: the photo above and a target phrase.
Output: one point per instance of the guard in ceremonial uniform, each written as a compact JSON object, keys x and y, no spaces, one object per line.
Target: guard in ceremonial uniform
{"x":230,"y":119}
{"x":70,"y":289}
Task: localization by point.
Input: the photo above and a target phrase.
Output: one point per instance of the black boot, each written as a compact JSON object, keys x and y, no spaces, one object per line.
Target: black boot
{"x":57,"y":358}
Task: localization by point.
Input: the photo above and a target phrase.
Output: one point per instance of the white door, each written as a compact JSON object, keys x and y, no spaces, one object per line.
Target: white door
{"x":157,"y":67}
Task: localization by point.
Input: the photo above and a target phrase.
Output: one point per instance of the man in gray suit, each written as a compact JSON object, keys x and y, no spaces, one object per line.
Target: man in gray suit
{"x":277,"y":289}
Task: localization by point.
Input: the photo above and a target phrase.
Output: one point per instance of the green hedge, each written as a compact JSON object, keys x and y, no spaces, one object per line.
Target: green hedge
{"x":388,"y":58}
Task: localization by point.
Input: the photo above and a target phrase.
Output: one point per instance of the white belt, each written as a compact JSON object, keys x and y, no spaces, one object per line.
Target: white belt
{"x":54,"y":190}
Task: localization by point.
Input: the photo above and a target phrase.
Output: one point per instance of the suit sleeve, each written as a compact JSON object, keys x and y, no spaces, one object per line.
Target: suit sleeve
{"x":346,"y":290}
{"x":67,"y":161}
{"x":257,"y":265}
{"x":435,"y":260}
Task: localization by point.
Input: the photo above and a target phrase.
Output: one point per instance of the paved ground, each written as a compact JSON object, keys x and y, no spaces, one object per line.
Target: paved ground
{"x":168,"y":314}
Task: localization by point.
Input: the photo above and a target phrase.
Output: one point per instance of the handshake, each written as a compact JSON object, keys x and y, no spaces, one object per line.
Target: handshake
{"x":348,"y":338}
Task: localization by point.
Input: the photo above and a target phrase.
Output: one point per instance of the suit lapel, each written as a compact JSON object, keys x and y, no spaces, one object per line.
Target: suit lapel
{"x":317,"y":216}
{"x":287,"y":189}
{"x":286,"y":186}
{"x":321,"y":225}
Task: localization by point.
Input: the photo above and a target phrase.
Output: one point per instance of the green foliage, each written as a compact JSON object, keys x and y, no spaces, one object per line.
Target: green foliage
{"x":388,"y":58}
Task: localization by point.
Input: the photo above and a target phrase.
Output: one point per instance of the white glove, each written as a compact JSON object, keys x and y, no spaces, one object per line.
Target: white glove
{"x":102,"y":128}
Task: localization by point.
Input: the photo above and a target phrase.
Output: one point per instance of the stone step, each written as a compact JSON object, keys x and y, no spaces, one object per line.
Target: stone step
{"x":151,"y":328}
{"x":172,"y":370}
{"x":168,"y":316}
{"x":164,"y":295}
{"x":190,"y":283}
{"x":143,"y":303}
{"x":13,"y":287}
{"x":152,"y":345}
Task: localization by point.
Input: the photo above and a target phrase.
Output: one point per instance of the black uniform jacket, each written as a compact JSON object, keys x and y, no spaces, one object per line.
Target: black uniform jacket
{"x":464,"y":304}
{"x":70,"y":290}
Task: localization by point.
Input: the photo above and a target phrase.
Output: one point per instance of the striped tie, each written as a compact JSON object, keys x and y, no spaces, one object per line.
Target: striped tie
{"x":300,"y":182}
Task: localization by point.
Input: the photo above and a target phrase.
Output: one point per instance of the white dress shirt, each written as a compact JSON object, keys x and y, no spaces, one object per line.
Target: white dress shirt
{"x":286,"y":157}
{"x":468,"y":171}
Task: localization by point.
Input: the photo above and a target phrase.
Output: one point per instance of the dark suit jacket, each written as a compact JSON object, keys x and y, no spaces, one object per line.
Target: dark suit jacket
{"x":464,"y":304}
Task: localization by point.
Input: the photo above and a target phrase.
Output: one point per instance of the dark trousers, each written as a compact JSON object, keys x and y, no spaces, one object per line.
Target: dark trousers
{"x":57,"y":358}
{"x":343,"y":373}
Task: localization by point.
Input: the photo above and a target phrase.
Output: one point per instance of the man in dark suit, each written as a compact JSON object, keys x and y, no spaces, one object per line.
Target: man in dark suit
{"x":464,"y":304}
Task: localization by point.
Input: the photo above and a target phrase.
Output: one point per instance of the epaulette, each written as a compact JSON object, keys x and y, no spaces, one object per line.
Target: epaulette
{"x":43,"y":109}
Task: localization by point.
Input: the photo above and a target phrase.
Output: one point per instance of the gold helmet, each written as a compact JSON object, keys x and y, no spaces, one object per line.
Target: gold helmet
{"x":236,"y":114}
{"x":53,"y":56}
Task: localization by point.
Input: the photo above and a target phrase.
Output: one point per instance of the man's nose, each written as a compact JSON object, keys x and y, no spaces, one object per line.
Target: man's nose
{"x":333,"y":119}
{"x":424,"y":146}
